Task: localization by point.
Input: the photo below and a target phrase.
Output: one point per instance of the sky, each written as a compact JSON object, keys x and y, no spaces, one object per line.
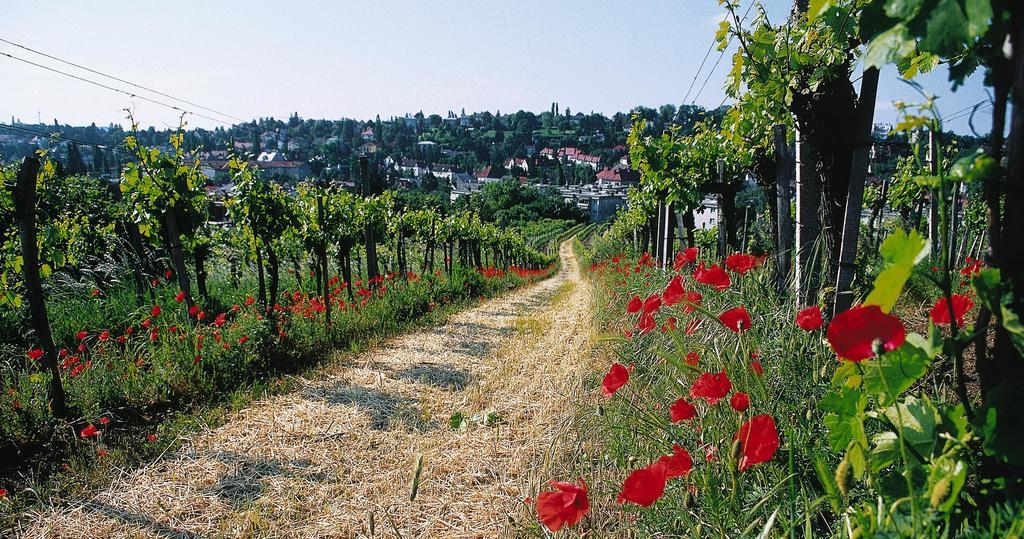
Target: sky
{"x":334,"y":59}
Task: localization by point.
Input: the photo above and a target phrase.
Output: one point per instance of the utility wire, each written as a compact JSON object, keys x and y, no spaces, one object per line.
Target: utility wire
{"x":699,"y":69}
{"x":28,"y":131}
{"x":139,"y":86}
{"x":244,"y":125}
{"x":111,"y":88}
{"x":721,"y":54}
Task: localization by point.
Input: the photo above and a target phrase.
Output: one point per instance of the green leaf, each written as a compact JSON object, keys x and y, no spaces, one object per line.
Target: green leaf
{"x":946,"y":32}
{"x":993,"y":295}
{"x":916,"y":420}
{"x":979,"y":17}
{"x":902,"y":9}
{"x":886,"y":450}
{"x":1000,"y":423}
{"x":889,"y":47}
{"x":845,"y":417}
{"x":900,"y":251}
{"x":893,"y":373}
{"x":920,"y":63}
{"x":818,"y":7}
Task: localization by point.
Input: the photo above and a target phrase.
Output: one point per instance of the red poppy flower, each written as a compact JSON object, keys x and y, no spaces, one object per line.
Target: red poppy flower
{"x":645,"y":323}
{"x":88,"y":432}
{"x":682,"y":410}
{"x":940,"y":311}
{"x":692,"y":301}
{"x":76,"y":370}
{"x":155,"y":312}
{"x":249,"y":300}
{"x":243,"y":339}
{"x":167,"y":274}
{"x":759,"y":439}
{"x":634,"y":305}
{"x":740,"y":401}
{"x":151,"y":438}
{"x":616,"y":378}
{"x":692,"y":358}
{"x":566,"y":507}
{"x":678,"y":464}
{"x":652,"y":303}
{"x":95,"y":292}
{"x":644,"y":486}
{"x":809,"y":319}
{"x":711,"y":386}
{"x":105,"y":335}
{"x":737,"y":319}
{"x":853,"y":333}
{"x":193,"y":310}
{"x":684,"y":257}
{"x":81,"y":335}
{"x":3,"y":493}
{"x":104,"y":420}
{"x":674,"y":292}
{"x":757,"y":368}
{"x":714,"y":276}
{"x":741,"y":263}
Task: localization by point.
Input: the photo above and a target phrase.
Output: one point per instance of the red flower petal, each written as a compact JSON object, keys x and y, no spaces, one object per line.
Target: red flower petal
{"x":644,"y":486}
{"x":737,"y":319}
{"x":741,"y":263}
{"x":759,"y":439}
{"x":852,"y":333}
{"x":740,"y":401}
{"x":616,"y":378}
{"x":566,"y":507}
{"x":940,"y":311}
{"x":678,"y":464}
{"x":711,"y":386}
{"x":809,"y":319}
{"x":634,"y":305}
{"x":674,"y":292}
{"x":682,"y":410}
{"x":714,"y":276}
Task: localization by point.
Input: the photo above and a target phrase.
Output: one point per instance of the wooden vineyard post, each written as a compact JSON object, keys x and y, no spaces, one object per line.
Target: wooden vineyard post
{"x":808,"y":223}
{"x":784,"y":219}
{"x":25,"y":214}
{"x":855,"y":192}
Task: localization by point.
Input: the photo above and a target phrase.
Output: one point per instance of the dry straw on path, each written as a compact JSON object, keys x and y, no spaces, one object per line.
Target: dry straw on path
{"x":338,"y":456}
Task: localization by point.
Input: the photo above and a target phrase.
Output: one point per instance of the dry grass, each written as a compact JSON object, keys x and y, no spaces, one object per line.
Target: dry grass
{"x":336,"y":457}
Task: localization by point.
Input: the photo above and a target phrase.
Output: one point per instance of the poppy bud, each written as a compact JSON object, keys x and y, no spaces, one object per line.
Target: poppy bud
{"x":939,"y":492}
{"x":843,"y":477}
{"x":734,"y":451}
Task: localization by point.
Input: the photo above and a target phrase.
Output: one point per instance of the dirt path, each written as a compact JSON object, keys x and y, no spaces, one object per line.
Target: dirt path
{"x":340,"y":452}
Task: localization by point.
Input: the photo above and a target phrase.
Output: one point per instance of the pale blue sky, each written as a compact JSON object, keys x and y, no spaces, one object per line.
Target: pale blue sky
{"x":327,"y":59}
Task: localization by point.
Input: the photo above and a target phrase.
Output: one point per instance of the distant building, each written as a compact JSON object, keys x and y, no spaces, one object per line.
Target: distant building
{"x":617,"y":176}
{"x":368,"y":134}
{"x":518,"y":162}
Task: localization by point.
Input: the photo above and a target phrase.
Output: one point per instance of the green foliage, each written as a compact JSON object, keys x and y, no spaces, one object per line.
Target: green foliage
{"x":900,"y":251}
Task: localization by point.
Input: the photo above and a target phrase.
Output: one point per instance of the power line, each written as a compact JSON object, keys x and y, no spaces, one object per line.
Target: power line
{"x":111,"y":88}
{"x":967,"y":113}
{"x":969,"y":107}
{"x":699,"y":69}
{"x":721,"y":54}
{"x":141,"y":87}
{"x":28,"y":131}
{"x":243,"y":125}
